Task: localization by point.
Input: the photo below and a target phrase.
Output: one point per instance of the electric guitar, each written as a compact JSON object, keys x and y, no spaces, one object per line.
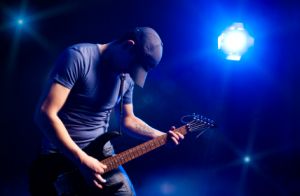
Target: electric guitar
{"x":65,"y":182}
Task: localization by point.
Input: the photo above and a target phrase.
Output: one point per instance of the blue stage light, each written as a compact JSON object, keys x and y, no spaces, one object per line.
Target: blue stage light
{"x":247,"y":159}
{"x":235,"y":41}
{"x":20,"y":21}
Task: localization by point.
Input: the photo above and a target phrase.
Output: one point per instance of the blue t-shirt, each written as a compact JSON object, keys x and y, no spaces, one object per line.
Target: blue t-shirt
{"x":94,"y":93}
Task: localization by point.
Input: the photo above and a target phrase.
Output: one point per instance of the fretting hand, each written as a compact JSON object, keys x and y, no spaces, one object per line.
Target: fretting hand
{"x":175,"y":136}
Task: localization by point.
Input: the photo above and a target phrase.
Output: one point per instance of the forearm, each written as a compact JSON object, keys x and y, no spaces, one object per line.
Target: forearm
{"x":140,"y":129}
{"x":56,"y":132}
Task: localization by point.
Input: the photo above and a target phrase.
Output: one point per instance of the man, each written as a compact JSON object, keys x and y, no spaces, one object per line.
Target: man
{"x":84,"y":87}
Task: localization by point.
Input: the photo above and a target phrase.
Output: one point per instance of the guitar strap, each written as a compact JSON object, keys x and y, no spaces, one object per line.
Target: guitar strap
{"x":122,"y":78}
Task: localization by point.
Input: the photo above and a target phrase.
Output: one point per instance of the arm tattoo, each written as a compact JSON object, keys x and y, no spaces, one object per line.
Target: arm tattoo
{"x":144,"y":129}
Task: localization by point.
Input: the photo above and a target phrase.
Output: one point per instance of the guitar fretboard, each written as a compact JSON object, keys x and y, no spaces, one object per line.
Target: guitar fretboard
{"x":135,"y":152}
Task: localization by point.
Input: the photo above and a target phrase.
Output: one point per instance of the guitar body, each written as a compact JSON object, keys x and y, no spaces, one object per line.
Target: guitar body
{"x":97,"y":145}
{"x":54,"y":174}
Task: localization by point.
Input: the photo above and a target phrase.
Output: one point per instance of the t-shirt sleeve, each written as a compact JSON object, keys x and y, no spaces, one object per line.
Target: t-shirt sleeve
{"x":127,"y":98}
{"x":68,"y":68}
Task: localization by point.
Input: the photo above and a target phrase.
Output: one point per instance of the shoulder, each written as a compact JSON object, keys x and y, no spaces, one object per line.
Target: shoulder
{"x":84,"y":48}
{"x":82,"y":54}
{"x":75,"y":59}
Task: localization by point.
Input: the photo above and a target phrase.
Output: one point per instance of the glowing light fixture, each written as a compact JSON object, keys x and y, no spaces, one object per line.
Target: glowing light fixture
{"x":235,"y":41}
{"x":20,"y":21}
{"x":247,"y":159}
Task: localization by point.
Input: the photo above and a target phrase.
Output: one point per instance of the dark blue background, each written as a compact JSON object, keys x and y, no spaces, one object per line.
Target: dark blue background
{"x":255,"y":101}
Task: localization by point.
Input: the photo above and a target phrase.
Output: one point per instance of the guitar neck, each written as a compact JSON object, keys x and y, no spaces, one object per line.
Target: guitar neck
{"x":137,"y":151}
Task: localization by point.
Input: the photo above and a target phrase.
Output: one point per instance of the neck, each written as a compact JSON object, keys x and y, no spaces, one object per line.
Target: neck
{"x":102,"y":47}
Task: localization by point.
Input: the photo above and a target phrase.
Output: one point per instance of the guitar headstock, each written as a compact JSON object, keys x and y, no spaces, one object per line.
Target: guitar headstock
{"x":197,"y":123}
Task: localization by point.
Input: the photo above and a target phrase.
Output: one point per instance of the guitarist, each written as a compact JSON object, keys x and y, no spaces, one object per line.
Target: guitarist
{"x":83,"y":88}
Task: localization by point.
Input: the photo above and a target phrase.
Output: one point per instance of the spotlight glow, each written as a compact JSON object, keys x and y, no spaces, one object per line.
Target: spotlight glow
{"x":247,"y":159}
{"x":235,"y":41}
{"x":20,"y":21}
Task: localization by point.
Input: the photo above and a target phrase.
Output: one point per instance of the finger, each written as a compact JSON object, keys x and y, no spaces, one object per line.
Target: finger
{"x":173,"y":128}
{"x":173,"y":134}
{"x":180,"y":135}
{"x":100,"y":168}
{"x":100,"y":178}
{"x":103,"y":166}
{"x":97,"y":184}
{"x":175,"y":140}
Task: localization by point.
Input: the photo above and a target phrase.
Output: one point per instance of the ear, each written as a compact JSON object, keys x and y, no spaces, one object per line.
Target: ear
{"x":130,"y":42}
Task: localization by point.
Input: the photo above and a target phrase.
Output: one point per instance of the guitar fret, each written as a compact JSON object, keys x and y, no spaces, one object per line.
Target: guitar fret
{"x":132,"y":152}
{"x":124,"y":159}
{"x":125,"y":156}
{"x":133,"y":155}
{"x":161,"y":141}
{"x":157,"y":142}
{"x":128,"y":156}
{"x":138,"y":151}
{"x":115,"y":161}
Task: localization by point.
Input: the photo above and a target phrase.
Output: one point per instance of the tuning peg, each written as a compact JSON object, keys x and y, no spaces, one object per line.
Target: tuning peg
{"x":195,"y":116}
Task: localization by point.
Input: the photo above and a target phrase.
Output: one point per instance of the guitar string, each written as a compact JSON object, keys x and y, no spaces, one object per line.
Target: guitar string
{"x":197,"y":124}
{"x":200,"y":121}
{"x":127,"y":154}
{"x":202,"y":126}
{"x":202,"y":132}
{"x":194,"y":117}
{"x":199,"y":128}
{"x":193,"y":125}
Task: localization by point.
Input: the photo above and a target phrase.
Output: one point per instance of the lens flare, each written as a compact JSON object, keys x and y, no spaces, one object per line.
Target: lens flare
{"x":235,"y":41}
